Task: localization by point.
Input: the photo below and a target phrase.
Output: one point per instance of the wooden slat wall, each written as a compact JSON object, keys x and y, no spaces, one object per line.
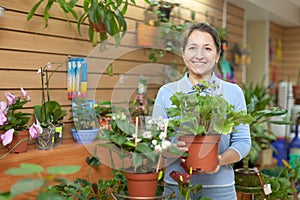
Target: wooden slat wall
{"x":26,"y":46}
{"x":291,"y":54}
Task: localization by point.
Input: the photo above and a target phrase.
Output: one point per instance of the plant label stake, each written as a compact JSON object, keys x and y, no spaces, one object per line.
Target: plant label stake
{"x":266,"y":187}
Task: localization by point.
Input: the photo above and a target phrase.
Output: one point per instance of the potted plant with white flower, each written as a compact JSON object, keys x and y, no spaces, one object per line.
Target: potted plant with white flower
{"x":50,"y":113}
{"x":14,"y":123}
{"x":140,"y":150}
{"x":199,"y":118}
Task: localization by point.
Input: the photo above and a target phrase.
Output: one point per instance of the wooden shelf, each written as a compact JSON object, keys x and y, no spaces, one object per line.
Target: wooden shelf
{"x":69,"y":153}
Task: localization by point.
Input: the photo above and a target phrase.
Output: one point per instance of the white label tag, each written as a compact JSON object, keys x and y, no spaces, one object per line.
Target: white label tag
{"x":267,"y":189}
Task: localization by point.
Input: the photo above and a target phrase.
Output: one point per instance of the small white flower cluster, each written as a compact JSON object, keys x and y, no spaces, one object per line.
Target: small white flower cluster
{"x":159,"y":135}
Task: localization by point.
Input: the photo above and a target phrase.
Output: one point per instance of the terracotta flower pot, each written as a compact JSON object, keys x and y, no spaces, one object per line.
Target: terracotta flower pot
{"x":203,"y":153}
{"x":19,"y":143}
{"x":98,"y":27}
{"x":142,"y":185}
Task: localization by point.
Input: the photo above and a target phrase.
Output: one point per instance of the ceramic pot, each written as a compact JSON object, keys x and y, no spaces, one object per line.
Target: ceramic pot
{"x":85,"y":136}
{"x":19,"y":143}
{"x":203,"y":153}
{"x":247,"y":181}
{"x":142,"y":184}
{"x":98,"y":27}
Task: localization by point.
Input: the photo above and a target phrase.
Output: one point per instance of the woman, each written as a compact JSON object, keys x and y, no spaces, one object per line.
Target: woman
{"x":201,"y":53}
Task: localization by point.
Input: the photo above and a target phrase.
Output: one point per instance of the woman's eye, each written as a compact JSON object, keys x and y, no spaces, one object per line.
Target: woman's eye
{"x":207,"y":48}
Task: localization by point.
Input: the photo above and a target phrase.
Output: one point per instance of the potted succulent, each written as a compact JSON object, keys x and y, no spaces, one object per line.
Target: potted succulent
{"x":14,"y":124}
{"x":200,"y":120}
{"x":86,"y":126}
{"x":50,"y":113}
{"x":140,"y":150}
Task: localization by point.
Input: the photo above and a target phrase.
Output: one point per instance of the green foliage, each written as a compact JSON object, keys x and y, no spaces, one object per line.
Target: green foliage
{"x":66,"y":6}
{"x":50,"y":111}
{"x":201,"y":114}
{"x":30,"y":184}
{"x":259,"y":105}
{"x":84,"y":115}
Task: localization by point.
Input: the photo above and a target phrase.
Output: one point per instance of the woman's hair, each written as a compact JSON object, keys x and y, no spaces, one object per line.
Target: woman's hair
{"x":203,"y":27}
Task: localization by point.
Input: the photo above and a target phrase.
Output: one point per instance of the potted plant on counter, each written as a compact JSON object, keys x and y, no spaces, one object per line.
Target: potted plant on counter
{"x":50,"y":113}
{"x":139,"y":151}
{"x":200,"y":120}
{"x":86,"y":126}
{"x":14,"y":123}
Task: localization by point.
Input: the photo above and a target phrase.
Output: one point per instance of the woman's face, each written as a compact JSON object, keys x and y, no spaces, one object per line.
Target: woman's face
{"x":200,"y":55}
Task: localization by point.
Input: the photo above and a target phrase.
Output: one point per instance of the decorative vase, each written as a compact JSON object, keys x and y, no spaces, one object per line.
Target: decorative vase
{"x":58,"y":134}
{"x":45,"y":140}
{"x":142,"y":184}
{"x":85,"y":136}
{"x":203,"y":153}
{"x":19,"y":143}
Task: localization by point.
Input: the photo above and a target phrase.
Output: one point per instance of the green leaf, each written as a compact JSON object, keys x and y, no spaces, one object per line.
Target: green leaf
{"x":32,"y":11}
{"x":63,"y":170}
{"x":25,"y":169}
{"x":26,"y":185}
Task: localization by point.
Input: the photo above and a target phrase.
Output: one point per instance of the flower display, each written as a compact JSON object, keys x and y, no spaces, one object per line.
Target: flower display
{"x":144,"y":145}
{"x":12,"y":119}
{"x":204,"y":111}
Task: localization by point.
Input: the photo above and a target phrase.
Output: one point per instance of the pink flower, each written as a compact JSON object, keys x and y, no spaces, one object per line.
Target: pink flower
{"x":35,"y":130}
{"x":10,"y":98}
{"x":7,"y":137}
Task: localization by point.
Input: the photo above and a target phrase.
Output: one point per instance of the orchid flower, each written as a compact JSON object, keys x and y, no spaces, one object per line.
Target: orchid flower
{"x":3,"y":111}
{"x":35,"y":130}
{"x":7,"y":137}
{"x":11,"y":99}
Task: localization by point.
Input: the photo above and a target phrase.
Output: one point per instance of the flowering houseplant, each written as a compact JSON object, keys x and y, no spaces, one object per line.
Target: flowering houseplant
{"x":12,"y":119}
{"x":143,"y":146}
{"x":204,"y":112}
{"x":50,"y":111}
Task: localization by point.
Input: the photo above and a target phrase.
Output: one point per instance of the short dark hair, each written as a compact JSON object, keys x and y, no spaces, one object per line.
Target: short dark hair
{"x":203,"y":27}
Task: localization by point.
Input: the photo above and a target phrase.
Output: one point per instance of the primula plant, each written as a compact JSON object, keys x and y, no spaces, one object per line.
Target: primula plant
{"x":12,"y":119}
{"x":204,"y":111}
{"x":142,"y":146}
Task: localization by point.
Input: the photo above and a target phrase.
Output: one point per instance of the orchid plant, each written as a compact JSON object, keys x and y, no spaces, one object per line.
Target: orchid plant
{"x":50,"y":111}
{"x":12,"y":119}
{"x":204,"y":111}
{"x":144,"y":146}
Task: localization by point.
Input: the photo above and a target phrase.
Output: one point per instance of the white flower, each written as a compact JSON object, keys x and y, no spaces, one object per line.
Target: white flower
{"x":123,"y":116}
{"x":158,"y":148}
{"x":39,"y":71}
{"x":147,"y":134}
{"x":154,"y":142}
{"x":162,"y":135}
{"x":49,"y":65}
{"x":165,"y":144}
